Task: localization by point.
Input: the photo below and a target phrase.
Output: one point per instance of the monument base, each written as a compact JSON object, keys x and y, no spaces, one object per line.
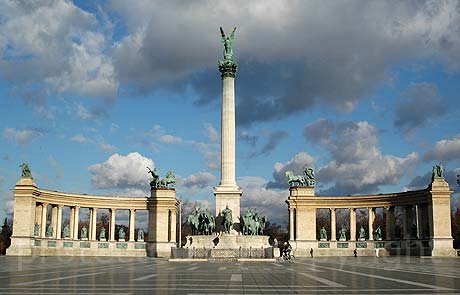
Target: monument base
{"x":159,"y":249}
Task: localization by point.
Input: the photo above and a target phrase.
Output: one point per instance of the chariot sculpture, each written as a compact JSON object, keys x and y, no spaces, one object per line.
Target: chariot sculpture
{"x":305,"y":180}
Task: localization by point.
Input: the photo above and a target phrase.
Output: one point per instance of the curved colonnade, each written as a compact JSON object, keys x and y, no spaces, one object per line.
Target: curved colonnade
{"x":425,"y":226}
{"x":35,"y":232}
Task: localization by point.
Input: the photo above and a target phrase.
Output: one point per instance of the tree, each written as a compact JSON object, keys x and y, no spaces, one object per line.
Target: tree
{"x":5,"y":235}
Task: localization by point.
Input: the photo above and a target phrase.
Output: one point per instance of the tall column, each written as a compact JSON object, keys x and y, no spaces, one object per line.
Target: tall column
{"x":76,"y":221}
{"x":333,"y":225}
{"x":407,"y":222}
{"x":132,"y":225}
{"x":291,"y":224}
{"x":43,"y":223}
{"x":390,"y":221}
{"x":371,"y":218}
{"x":59,"y":222}
{"x":93,"y":224}
{"x":352,"y":224}
{"x":72,"y":222}
{"x":113,"y":212}
{"x":227,"y":193}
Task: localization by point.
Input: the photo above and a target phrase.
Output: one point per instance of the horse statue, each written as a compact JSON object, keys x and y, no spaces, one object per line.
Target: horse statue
{"x":155,"y":177}
{"x":207,"y":224}
{"x":193,"y":220}
{"x":292,"y":179}
{"x":169,"y":179}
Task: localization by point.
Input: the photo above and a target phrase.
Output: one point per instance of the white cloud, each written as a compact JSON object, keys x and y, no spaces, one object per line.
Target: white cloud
{"x":212,"y":133}
{"x":199,"y":180}
{"x":58,"y":44}
{"x":22,"y":137}
{"x":98,"y":142}
{"x":121,"y":172}
{"x":80,"y":138}
{"x":158,"y":133}
{"x":445,"y":150}
{"x":105,"y":147}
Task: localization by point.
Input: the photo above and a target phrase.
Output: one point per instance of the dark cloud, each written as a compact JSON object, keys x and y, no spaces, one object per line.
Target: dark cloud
{"x":250,"y":139}
{"x":288,"y":59}
{"x":422,"y":182}
{"x":357,"y":165}
{"x":295,"y":164}
{"x":274,"y":138}
{"x":420,"y":104}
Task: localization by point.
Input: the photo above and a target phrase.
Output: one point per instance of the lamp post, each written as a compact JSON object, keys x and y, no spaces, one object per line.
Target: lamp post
{"x":180,"y":223}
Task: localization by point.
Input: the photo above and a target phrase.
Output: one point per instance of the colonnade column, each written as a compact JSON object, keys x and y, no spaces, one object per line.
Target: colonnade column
{"x":112,"y":224}
{"x":54,"y":213}
{"x":352,"y":224}
{"x":371,"y":218}
{"x":173,"y":224}
{"x":132,"y":226}
{"x":407,"y":222}
{"x":59,"y":222}
{"x":333,"y":225}
{"x":291,"y":224}
{"x":389,"y":228}
{"x":76,"y":222}
{"x":43,"y":222}
{"x":93,"y":224}
{"x":72,"y":222}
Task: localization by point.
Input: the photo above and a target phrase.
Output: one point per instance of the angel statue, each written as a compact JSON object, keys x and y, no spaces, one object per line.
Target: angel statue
{"x":228,"y":41}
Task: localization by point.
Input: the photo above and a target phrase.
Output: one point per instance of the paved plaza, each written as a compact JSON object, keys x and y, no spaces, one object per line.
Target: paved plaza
{"x":346,"y":275}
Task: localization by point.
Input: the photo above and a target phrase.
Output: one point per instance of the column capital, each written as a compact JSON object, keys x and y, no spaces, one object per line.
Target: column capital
{"x":227,"y":68}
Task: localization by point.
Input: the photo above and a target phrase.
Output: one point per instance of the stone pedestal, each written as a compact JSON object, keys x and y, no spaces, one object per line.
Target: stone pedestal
{"x":440,"y":226}
{"x":162,"y":206}
{"x":24,"y":217}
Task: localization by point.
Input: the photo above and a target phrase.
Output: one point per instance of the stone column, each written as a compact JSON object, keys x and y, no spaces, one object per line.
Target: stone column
{"x":390,"y":222}
{"x":227,"y":193}
{"x":93,"y":224}
{"x":113,"y":212}
{"x":173,"y":225}
{"x":371,"y":218}
{"x":76,"y":221}
{"x":352,"y":224}
{"x":291,"y":224}
{"x":407,"y":222}
{"x":59,"y":222}
{"x":333,"y":225}
{"x":439,"y":198}
{"x":72,"y":222}
{"x":43,"y":223}
{"x":54,"y":213}
{"x":132,"y":224}
{"x":38,"y":214}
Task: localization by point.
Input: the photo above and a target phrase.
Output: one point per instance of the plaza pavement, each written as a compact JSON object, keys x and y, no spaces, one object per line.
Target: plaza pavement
{"x":346,"y":275}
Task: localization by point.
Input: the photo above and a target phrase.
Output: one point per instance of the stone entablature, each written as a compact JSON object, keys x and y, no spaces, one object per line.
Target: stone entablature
{"x":426,"y":212}
{"x":31,"y":224}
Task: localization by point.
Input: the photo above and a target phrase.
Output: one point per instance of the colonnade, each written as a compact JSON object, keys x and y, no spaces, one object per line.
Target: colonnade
{"x":74,"y":221}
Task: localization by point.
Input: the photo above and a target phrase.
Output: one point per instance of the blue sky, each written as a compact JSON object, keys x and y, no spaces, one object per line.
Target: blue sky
{"x":93,"y":91}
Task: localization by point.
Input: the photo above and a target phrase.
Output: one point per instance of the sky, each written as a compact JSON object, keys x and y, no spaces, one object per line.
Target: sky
{"x":93,"y":92}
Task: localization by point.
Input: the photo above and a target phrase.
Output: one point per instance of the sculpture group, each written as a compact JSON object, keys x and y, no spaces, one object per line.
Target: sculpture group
{"x":252,"y":223}
{"x":201,"y":221}
{"x":307,"y":179}
{"x":170,"y":179}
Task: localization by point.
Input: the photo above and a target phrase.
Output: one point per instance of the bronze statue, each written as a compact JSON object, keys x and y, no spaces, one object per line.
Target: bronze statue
{"x":228,"y":41}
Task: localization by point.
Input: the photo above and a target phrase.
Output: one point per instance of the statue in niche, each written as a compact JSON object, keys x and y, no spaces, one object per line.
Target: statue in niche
{"x":362,"y":234}
{"x":378,"y":233}
{"x":228,"y":41}
{"x":343,"y":234}
{"x":84,"y":233}
{"x":36,"y":229}
{"x":25,"y":171}
{"x":228,"y":220}
{"x":102,"y":236}
{"x":438,"y":172}
{"x":323,"y":234}
{"x":66,"y":231}
{"x":140,"y":235}
{"x":49,"y":231}
{"x":121,"y":234}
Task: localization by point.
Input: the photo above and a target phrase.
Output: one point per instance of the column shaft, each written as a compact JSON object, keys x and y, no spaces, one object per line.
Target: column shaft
{"x":291,"y":224}
{"x":72,"y":222}
{"x":93,"y":224}
{"x":76,"y":222}
{"x":43,"y":222}
{"x":54,"y":213}
{"x":59,"y":222}
{"x":333,"y":225}
{"x":132,"y":225}
{"x":371,"y":218}
{"x":112,"y":224}
{"x":390,"y":220}
{"x":352,"y":224}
